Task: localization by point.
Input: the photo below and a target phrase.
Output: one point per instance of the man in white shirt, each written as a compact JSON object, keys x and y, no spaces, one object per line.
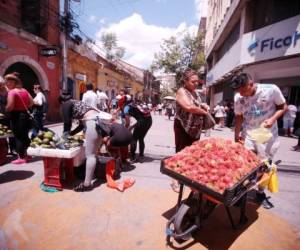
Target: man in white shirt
{"x":90,"y":97}
{"x":39,"y":102}
{"x":257,"y":105}
{"x":102,"y":100}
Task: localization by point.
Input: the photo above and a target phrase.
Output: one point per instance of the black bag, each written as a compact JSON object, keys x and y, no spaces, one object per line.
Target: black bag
{"x":208,"y":121}
{"x":31,"y":120}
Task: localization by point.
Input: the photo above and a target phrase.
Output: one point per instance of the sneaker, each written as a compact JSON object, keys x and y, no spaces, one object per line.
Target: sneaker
{"x":267,"y":204}
{"x":19,"y":161}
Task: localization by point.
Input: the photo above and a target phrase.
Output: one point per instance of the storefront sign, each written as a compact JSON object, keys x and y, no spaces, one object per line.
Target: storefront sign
{"x":80,"y":77}
{"x":276,"y":40}
{"x":48,"y":52}
{"x":275,"y":43}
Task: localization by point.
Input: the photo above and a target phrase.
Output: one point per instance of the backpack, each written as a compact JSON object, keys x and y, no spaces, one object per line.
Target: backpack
{"x":145,"y":112}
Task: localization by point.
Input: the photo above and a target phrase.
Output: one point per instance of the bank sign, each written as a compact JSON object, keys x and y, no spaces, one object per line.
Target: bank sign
{"x":273,"y":43}
{"x":276,"y":40}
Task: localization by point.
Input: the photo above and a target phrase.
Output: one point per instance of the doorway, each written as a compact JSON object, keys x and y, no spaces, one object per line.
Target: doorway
{"x":27,"y":75}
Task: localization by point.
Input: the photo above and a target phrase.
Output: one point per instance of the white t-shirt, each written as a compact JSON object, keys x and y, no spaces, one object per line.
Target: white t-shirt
{"x":102,"y":98}
{"x":39,"y":99}
{"x":291,"y":112}
{"x":219,"y":111}
{"x":255,"y":110}
{"x":90,"y":98}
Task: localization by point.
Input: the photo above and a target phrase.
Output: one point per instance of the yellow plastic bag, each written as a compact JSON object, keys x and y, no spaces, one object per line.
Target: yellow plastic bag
{"x":273,"y":182}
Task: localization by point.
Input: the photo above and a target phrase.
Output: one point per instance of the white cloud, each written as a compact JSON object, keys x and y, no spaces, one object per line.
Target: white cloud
{"x":102,"y":20}
{"x":92,"y":19}
{"x":201,"y":8}
{"x":141,"y":40}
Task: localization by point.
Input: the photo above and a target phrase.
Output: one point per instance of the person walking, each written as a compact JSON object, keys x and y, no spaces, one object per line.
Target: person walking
{"x":220,"y":114}
{"x":39,"y":103}
{"x":288,"y":120}
{"x":140,"y":128}
{"x":257,"y":105}
{"x":102,"y":100}
{"x":90,"y":97}
{"x":18,"y":103}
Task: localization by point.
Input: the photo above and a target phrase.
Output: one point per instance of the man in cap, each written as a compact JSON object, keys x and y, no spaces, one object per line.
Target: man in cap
{"x":257,"y":105}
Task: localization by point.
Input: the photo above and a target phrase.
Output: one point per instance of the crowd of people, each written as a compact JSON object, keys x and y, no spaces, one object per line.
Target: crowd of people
{"x":110,"y":122}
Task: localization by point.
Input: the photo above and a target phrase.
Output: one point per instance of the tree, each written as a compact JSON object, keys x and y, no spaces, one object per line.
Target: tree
{"x":176,"y":55}
{"x":110,"y":44}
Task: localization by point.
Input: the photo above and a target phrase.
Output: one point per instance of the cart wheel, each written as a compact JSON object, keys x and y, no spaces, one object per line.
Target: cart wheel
{"x":184,"y":220}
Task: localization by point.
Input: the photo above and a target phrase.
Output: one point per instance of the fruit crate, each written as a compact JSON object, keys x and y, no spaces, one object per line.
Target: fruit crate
{"x":230,"y":195}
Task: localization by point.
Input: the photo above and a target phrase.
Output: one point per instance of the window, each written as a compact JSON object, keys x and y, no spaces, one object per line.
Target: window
{"x":274,"y":11}
{"x":34,"y":15}
{"x":229,"y":41}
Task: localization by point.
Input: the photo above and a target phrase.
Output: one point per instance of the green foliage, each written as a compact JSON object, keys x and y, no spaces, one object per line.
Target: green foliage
{"x":110,"y":44}
{"x":176,"y":55}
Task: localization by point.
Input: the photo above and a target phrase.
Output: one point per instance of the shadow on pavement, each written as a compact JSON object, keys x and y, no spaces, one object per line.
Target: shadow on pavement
{"x":152,"y":157}
{"x":13,"y":175}
{"x":216,"y":231}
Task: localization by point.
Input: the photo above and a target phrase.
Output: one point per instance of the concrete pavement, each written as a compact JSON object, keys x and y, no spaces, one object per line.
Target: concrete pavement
{"x":135,"y":219}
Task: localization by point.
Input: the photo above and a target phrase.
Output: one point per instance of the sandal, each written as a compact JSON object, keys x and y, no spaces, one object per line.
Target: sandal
{"x":82,"y":188}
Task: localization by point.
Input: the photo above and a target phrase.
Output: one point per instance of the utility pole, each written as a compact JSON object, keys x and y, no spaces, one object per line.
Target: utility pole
{"x":65,"y":47}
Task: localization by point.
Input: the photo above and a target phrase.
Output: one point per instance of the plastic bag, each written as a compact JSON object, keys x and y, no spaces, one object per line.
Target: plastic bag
{"x":273,"y":182}
{"x":270,"y":180}
{"x":260,"y":135}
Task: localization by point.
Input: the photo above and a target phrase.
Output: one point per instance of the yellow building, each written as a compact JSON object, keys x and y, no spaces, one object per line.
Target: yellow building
{"x":85,"y":66}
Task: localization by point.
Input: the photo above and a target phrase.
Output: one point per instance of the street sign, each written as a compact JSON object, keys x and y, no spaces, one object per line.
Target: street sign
{"x":48,"y":52}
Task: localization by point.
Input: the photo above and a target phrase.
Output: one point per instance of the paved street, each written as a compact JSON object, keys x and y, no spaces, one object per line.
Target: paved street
{"x":107,"y":219}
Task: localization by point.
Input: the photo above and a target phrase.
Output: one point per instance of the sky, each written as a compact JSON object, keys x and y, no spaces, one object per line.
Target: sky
{"x":140,"y":25}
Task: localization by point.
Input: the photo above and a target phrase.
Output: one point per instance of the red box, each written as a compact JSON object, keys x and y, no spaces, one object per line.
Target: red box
{"x":3,"y":151}
{"x":57,"y":170}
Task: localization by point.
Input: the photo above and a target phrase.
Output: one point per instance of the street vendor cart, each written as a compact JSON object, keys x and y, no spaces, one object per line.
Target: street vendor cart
{"x":207,"y":189}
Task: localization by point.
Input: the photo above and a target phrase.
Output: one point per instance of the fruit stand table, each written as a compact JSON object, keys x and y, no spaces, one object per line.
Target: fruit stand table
{"x":4,"y":148}
{"x":58,"y":164}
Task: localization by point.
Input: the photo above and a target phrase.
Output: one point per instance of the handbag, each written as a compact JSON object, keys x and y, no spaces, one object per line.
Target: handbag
{"x":31,"y":120}
{"x":208,"y":121}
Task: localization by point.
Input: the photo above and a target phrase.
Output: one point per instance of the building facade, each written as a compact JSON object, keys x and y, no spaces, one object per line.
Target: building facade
{"x":30,"y":45}
{"x":258,"y":37}
{"x":86,"y":66}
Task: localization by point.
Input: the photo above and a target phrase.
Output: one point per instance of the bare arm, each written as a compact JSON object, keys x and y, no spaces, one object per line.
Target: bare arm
{"x":280,"y":110}
{"x":187,"y":104}
{"x":10,"y":103}
{"x":238,"y":127}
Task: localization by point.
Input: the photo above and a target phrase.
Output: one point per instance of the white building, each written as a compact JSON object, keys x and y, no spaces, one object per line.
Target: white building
{"x":168,"y":82}
{"x":260,"y":37}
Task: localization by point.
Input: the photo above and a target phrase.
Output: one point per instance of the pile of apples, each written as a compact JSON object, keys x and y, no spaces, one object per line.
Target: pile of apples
{"x":215,"y":163}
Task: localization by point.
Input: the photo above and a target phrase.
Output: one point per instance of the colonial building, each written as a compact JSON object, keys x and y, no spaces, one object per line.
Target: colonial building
{"x":86,"y":66}
{"x":29,"y":44}
{"x":258,"y":37}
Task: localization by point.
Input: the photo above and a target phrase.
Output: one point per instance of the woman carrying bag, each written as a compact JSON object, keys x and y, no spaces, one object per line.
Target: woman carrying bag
{"x":190,"y":112}
{"x":18,"y":103}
